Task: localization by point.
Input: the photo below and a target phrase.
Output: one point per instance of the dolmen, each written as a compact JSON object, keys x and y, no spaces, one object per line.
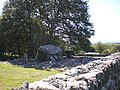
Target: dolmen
{"x":48,"y":52}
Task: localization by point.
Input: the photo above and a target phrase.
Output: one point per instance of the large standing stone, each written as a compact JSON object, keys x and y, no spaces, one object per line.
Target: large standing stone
{"x":48,"y":52}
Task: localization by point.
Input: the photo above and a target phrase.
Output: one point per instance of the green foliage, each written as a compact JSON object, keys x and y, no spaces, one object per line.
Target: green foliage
{"x":106,"y":52}
{"x":115,"y":48}
{"x":99,"y":47}
{"x":106,"y":49}
{"x":27,"y":24}
{"x":8,"y":57}
{"x":13,"y":76}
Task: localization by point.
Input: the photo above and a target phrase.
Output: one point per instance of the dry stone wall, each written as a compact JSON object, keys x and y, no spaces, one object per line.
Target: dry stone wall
{"x":101,"y":74}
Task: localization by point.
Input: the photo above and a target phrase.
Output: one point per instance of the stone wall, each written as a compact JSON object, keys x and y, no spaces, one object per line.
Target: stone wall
{"x":101,"y":74}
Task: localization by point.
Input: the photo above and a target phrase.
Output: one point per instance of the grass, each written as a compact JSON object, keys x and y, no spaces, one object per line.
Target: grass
{"x":12,"y":76}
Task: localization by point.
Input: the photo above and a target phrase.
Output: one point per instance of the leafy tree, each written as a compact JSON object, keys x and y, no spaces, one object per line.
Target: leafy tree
{"x":26,"y":24}
{"x":17,"y":26}
{"x":2,"y":48}
{"x":67,"y":19}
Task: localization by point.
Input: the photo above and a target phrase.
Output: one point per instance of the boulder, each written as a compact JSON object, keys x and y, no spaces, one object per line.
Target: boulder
{"x":48,"y":52}
{"x":25,"y":85}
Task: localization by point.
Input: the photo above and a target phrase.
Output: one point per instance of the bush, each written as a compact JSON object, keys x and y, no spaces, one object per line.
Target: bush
{"x":106,"y":49}
{"x":106,"y":52}
{"x":7,"y":57}
{"x":113,"y":49}
{"x":99,"y":47}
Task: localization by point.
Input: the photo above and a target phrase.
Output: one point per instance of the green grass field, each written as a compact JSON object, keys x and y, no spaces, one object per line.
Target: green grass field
{"x":12,"y":76}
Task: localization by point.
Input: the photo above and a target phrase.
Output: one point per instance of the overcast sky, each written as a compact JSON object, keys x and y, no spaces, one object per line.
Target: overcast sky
{"x":105,"y":16}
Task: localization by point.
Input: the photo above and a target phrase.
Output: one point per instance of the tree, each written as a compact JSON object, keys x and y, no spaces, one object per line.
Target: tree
{"x":26,"y":24}
{"x":66,"y":19}
{"x":18,"y":27}
{"x":2,"y":48}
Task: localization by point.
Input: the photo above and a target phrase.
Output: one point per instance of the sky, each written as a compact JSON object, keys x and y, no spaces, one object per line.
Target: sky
{"x":1,"y":5}
{"x":105,"y":16}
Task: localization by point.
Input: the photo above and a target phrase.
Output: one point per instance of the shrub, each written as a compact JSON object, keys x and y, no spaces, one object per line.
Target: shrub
{"x":106,"y":49}
{"x":106,"y":52}
{"x":113,"y":49}
{"x":99,"y":47}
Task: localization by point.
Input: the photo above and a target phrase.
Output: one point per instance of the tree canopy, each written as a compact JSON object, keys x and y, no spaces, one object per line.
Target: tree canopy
{"x":27,"y":24}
